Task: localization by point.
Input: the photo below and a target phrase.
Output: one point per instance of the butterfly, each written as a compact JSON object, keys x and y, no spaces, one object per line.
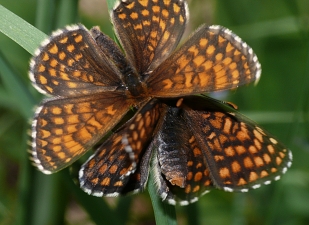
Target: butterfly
{"x":193,"y":143}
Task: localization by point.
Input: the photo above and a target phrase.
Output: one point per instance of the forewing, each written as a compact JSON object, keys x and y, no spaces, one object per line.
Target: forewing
{"x":65,"y":128}
{"x":149,"y":30}
{"x":213,"y":59}
{"x":69,"y":63}
{"x":240,"y":155}
{"x":111,"y":170}
{"x":138,"y":180}
{"x":180,"y":167}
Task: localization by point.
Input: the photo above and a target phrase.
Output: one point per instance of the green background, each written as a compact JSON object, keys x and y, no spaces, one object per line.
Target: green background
{"x":277,"y":30}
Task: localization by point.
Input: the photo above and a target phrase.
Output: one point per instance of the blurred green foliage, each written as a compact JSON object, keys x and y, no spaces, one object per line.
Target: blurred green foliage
{"x":277,"y":30}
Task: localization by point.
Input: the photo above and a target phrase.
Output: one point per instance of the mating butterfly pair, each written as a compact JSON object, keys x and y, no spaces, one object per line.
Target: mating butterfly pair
{"x":193,"y":142}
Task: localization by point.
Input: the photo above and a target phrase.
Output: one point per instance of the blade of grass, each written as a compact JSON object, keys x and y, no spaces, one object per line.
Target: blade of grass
{"x":266,"y":29}
{"x":239,"y":202}
{"x":25,"y":188}
{"x":6,"y":101}
{"x":192,"y":212}
{"x":23,"y":33}
{"x":123,"y":207}
{"x":49,"y":199}
{"x":22,"y":99}
{"x":6,"y":121}
{"x":67,"y":13}
{"x":165,"y":214}
{"x":45,"y":13}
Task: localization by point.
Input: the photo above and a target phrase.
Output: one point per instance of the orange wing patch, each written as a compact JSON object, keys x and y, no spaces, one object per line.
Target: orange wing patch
{"x":158,"y":25}
{"x":213,"y":59}
{"x":240,"y":155}
{"x":118,"y":157}
{"x":71,"y":65}
{"x":63,"y":129}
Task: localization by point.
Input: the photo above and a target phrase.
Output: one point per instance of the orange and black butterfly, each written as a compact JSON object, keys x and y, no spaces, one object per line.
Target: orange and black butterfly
{"x":193,"y":142}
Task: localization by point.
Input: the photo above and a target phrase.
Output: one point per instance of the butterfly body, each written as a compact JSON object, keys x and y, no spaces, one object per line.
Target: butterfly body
{"x":194,"y":143}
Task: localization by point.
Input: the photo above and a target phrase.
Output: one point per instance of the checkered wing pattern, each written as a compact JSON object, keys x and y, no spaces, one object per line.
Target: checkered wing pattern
{"x":64,"y":128}
{"x":112,"y":169}
{"x":83,"y":76}
{"x":196,"y":143}
{"x":203,"y":143}
{"x":69,"y":63}
{"x":213,"y":59}
{"x":149,"y":30}
{"x":137,"y":181}
{"x":239,"y":154}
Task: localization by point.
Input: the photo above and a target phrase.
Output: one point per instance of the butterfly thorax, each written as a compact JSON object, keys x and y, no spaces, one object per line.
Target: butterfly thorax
{"x":134,"y":85}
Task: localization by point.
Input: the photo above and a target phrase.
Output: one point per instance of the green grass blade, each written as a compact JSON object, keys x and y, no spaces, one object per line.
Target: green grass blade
{"x":23,"y":33}
{"x":67,"y":13}
{"x":123,"y":208}
{"x":165,"y":214}
{"x":45,"y":13}
{"x":25,"y":187}
{"x":6,"y":101}
{"x":49,"y":199}
{"x":21,"y":98}
{"x":192,"y":212}
{"x":6,"y":121}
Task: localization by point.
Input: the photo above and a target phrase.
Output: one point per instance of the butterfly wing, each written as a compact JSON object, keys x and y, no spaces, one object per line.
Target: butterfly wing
{"x":149,"y":30}
{"x":90,"y":98}
{"x":112,"y":169}
{"x":212,"y":59}
{"x":63,"y":129}
{"x":239,"y":154}
{"x":70,"y":63}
